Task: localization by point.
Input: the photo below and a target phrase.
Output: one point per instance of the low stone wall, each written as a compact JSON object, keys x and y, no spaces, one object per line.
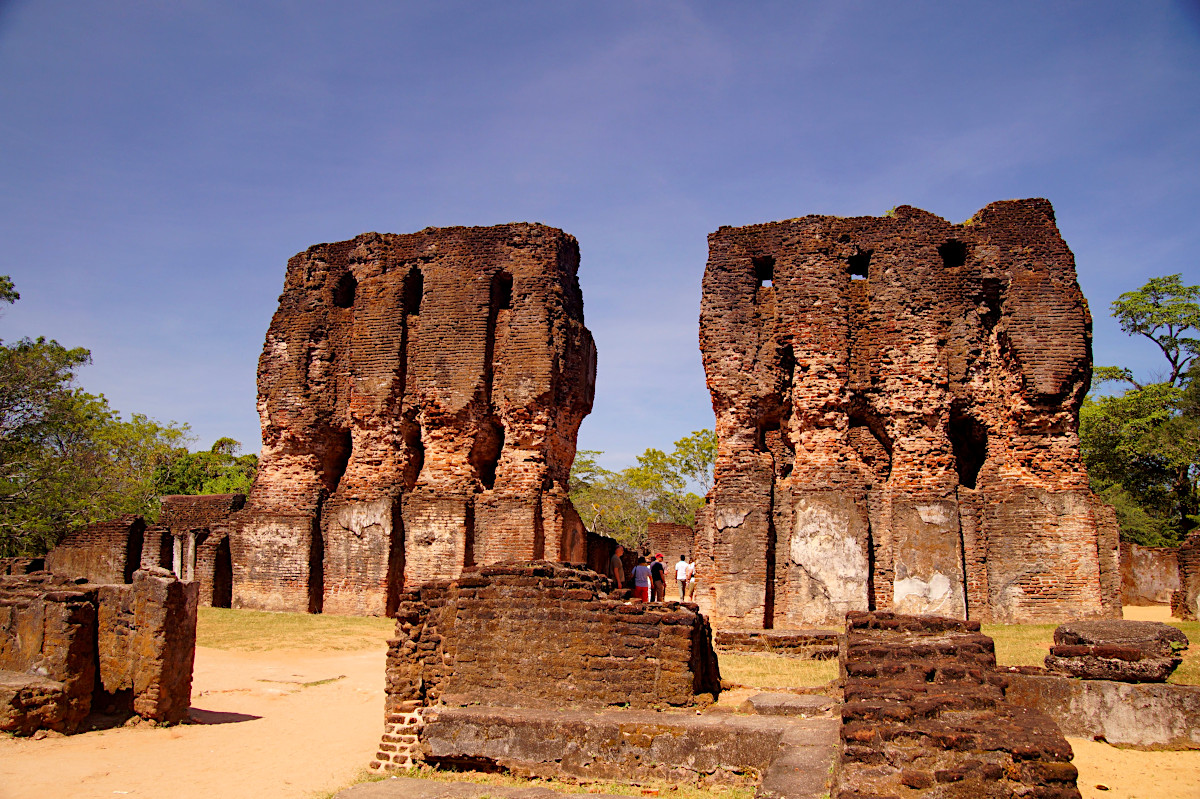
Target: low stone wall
{"x":69,"y":648}
{"x":104,"y":552}
{"x":1149,"y":575}
{"x":538,"y":635}
{"x":1147,"y":715}
{"x":813,"y":644}
{"x":925,"y":715}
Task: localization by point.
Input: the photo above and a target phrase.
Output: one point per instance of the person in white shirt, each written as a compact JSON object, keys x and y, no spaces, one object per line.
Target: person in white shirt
{"x":681,"y":574}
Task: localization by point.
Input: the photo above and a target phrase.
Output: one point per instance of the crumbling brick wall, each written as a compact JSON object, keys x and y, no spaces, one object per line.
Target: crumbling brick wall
{"x":672,"y":540}
{"x":896,"y":406}
{"x":69,"y":647}
{"x":1185,"y":603}
{"x":193,"y":545}
{"x":420,"y":397}
{"x":538,"y":635}
{"x":925,"y":715}
{"x":105,"y":552}
{"x":1149,"y":575}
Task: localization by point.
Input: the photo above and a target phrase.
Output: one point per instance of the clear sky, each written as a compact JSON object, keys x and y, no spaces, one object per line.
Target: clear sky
{"x":160,"y":161}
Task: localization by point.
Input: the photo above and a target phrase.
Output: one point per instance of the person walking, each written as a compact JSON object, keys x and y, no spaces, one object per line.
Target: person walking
{"x":681,"y":576}
{"x":641,"y":580}
{"x":691,"y":581}
{"x":658,"y":578}
{"x":616,"y":567}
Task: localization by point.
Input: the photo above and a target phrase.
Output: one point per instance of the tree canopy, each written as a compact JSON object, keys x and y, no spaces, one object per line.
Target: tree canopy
{"x":219,"y":470}
{"x":620,"y":504}
{"x":68,"y":459}
{"x":1142,"y":447}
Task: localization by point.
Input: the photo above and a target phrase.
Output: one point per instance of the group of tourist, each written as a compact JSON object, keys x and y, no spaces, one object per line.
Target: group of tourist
{"x":649,"y":579}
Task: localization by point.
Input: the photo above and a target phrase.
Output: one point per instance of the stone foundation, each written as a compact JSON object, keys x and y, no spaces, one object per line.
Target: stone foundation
{"x":925,"y":714}
{"x":69,"y":648}
{"x":537,"y":635}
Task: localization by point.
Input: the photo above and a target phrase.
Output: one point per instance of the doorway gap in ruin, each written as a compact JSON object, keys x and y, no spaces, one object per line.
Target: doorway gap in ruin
{"x":969,"y":441}
{"x":222,"y":585}
{"x":870,"y":565}
{"x":344,"y":291}
{"x":414,"y":289}
{"x":395,"y":569}
{"x":764,"y":270}
{"x":954,"y":254}
{"x":133,"y":549}
{"x":858,"y":265}
{"x":316,"y":565}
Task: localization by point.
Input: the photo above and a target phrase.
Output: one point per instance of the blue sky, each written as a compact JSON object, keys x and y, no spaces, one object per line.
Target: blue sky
{"x":160,"y":161}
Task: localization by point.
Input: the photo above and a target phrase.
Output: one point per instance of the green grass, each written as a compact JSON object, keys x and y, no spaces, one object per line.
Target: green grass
{"x":768,"y":670}
{"x":1028,"y":645}
{"x":260,"y":631}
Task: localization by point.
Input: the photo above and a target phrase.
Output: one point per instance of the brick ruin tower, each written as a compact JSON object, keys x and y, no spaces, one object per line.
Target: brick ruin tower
{"x":420,"y":397}
{"x":897,"y":403}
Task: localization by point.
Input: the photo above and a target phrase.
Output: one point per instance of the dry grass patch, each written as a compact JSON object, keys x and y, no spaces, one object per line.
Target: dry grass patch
{"x":260,"y":631}
{"x":769,"y":670}
{"x":642,"y":788}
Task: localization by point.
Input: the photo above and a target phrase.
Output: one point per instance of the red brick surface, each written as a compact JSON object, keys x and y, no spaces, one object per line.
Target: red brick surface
{"x":420,"y":397}
{"x":896,"y":405}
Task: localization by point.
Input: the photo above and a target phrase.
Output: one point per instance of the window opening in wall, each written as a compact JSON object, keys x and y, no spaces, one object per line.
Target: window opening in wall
{"x":859,"y":264}
{"x":485,"y":454}
{"x":954,"y":254}
{"x":414,"y":288}
{"x":969,"y":440}
{"x":416,"y":459}
{"x":336,"y":458}
{"x":764,"y":269}
{"x":502,"y":290}
{"x":343,"y":292}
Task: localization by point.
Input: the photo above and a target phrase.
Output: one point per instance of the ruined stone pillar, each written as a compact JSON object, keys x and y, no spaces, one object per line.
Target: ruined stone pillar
{"x":420,"y":398}
{"x":897,"y":408}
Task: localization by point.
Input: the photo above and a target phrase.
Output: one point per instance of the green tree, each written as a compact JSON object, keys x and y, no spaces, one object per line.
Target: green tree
{"x":621,"y":504}
{"x":219,"y":470}
{"x":1142,"y":447}
{"x":67,"y":458}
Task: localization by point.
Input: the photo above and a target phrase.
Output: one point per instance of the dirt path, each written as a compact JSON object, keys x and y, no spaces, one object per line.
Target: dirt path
{"x":269,"y":732}
{"x":291,"y":724}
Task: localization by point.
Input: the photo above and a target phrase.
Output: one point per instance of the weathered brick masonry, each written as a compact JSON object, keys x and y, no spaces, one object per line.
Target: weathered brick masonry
{"x":896,"y":405}
{"x":189,"y":541}
{"x":69,"y":647}
{"x":420,"y":397}
{"x":105,"y":552}
{"x":1185,"y":602}
{"x":537,"y":635}
{"x":925,"y":715}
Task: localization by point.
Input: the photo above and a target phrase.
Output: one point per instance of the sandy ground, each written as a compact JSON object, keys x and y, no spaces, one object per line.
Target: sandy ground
{"x":267,"y":731}
{"x":264,"y":733}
